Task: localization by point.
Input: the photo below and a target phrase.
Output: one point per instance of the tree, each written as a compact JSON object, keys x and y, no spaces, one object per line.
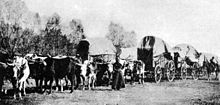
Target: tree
{"x":9,"y":35}
{"x":23,"y":41}
{"x":129,"y":39}
{"x":116,"y":34}
{"x":14,"y":39}
{"x":13,"y":10}
{"x":121,"y":38}
{"x":52,"y":31}
{"x":55,"y":43}
{"x":77,"y":31}
{"x":5,"y":30}
{"x":36,"y":43}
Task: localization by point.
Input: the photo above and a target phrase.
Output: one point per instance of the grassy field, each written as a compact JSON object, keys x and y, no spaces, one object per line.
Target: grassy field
{"x":179,"y":92}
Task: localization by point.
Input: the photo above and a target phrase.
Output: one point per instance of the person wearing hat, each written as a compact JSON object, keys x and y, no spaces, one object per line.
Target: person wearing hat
{"x":118,"y":81}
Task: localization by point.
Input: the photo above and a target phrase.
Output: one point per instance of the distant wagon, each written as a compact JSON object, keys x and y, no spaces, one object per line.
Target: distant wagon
{"x":156,"y":55}
{"x":187,"y":62}
{"x":130,"y":63}
{"x":96,"y":49}
{"x":100,"y":51}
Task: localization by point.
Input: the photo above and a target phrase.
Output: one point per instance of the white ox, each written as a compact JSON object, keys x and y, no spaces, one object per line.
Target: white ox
{"x":21,"y":72}
{"x":88,"y":74}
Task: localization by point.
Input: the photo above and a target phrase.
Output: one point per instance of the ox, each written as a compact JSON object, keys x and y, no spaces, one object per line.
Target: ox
{"x":92,"y":75}
{"x":3,"y":67}
{"x":20,"y":74}
{"x":88,"y":74}
{"x":58,"y":68}
{"x":37,"y":67}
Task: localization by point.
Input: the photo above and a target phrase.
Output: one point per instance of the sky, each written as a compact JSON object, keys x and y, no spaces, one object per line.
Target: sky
{"x":195,"y":22}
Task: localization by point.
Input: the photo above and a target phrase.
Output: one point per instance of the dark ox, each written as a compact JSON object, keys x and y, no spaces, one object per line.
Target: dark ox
{"x":4,"y":69}
{"x":58,"y":69}
{"x":37,"y":71}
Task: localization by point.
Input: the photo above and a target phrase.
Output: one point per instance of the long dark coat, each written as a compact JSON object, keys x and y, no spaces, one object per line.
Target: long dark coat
{"x":118,"y":80}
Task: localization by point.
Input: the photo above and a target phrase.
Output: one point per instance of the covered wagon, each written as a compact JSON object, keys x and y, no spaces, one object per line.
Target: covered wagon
{"x":101,"y":50}
{"x":102,"y":53}
{"x":156,"y":55}
{"x":186,"y":61}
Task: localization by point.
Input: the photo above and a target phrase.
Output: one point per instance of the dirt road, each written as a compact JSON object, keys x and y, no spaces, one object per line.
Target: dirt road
{"x":180,"y":92}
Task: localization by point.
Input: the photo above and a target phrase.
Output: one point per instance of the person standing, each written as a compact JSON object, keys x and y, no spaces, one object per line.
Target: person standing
{"x":212,"y":61}
{"x":83,"y":48}
{"x":118,"y":80}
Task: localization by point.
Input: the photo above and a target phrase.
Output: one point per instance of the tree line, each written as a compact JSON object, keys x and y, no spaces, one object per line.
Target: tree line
{"x":51,"y":39}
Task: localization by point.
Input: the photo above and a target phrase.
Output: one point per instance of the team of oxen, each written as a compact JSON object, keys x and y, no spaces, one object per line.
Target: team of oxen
{"x":86,"y":74}
{"x":46,"y":70}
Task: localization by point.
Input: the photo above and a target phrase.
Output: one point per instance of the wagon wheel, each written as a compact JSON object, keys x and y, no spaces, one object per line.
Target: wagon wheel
{"x":157,"y":74}
{"x":170,"y":71}
{"x":183,"y":72}
{"x":195,"y":71}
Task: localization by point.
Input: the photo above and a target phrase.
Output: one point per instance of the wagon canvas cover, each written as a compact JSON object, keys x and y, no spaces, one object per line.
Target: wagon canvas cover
{"x":101,"y":46}
{"x":129,"y":53}
{"x":101,"y":49}
{"x":150,"y":47}
{"x":158,"y":45}
{"x":186,"y":50}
